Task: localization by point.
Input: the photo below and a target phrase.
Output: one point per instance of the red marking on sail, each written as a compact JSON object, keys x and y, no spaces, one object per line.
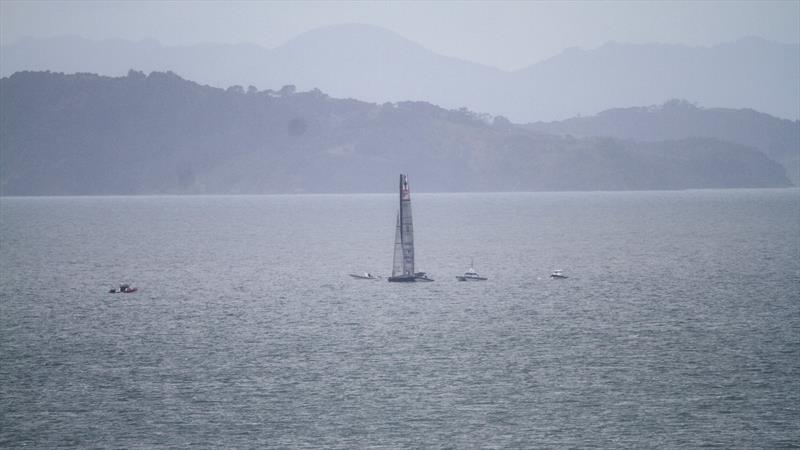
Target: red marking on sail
{"x":405,"y":194}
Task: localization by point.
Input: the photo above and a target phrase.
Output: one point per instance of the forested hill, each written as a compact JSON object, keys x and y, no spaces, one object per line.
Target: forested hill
{"x":85,"y":134}
{"x":679,"y":119}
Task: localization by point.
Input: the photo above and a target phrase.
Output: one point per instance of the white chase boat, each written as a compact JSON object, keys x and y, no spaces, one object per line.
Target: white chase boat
{"x":365,"y":276}
{"x":471,"y":275}
{"x":557,"y":274}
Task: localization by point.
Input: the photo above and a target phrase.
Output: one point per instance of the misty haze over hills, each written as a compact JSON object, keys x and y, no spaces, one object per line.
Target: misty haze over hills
{"x":372,"y":64}
{"x":777,"y":138}
{"x":160,"y":134}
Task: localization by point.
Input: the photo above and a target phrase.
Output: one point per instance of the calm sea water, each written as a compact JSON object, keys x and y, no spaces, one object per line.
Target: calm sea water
{"x":678,"y":327}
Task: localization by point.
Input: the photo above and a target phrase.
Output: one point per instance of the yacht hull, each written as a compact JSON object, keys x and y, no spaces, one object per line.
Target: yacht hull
{"x":402,"y":279}
{"x":407,"y":279}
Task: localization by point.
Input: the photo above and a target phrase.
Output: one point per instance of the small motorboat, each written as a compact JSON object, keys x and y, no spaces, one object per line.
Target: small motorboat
{"x":558,"y":274}
{"x":123,"y":289}
{"x":365,"y":276}
{"x":422,"y":276}
{"x":470,"y":275}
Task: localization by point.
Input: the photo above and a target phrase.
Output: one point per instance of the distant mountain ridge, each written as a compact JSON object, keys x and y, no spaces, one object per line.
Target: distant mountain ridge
{"x":376,"y":65}
{"x":86,"y":134}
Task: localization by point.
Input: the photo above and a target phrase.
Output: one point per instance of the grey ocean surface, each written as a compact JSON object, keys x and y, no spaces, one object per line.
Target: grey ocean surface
{"x":678,"y":327}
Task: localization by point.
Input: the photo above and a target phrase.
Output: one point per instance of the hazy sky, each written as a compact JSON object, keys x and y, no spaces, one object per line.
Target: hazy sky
{"x":508,"y":35}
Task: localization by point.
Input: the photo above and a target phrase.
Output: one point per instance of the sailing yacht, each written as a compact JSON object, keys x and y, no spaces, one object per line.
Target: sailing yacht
{"x":403,"y":263}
